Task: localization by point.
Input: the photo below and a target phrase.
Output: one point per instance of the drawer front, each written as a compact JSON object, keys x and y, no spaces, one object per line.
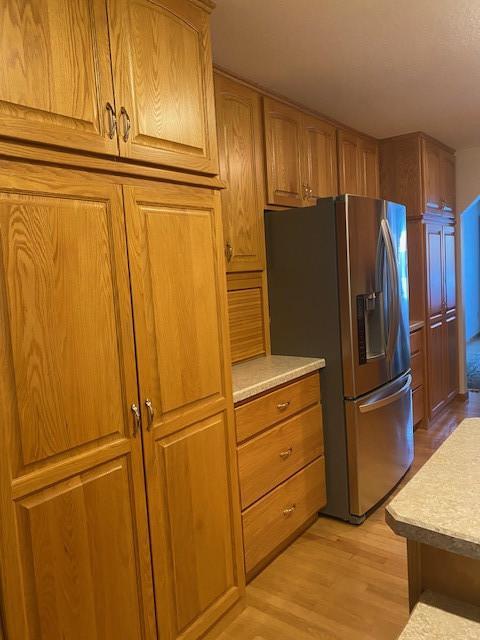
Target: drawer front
{"x":278,"y":453}
{"x":418,"y":408}
{"x":416,"y":342}
{"x":280,"y":513}
{"x":259,"y":414}
{"x":416,"y":363}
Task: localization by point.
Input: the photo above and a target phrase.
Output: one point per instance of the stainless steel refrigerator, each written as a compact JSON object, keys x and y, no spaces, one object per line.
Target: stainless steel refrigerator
{"x":338,"y":288}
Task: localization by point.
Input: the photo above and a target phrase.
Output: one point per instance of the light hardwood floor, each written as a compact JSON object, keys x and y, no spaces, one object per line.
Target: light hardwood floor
{"x":338,"y":581}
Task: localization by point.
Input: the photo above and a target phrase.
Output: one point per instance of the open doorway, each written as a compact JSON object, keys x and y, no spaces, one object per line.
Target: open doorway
{"x":470,"y":238}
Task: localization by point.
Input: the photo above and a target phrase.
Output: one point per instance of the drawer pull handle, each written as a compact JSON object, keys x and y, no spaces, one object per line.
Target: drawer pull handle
{"x":286,"y":454}
{"x":281,"y":406}
{"x":289,"y":510}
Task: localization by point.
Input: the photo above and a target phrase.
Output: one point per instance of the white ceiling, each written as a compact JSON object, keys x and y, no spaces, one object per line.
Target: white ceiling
{"x":382,"y":66}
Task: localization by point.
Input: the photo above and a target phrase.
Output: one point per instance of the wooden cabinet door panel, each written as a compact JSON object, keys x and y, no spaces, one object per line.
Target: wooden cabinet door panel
{"x":195,"y":554}
{"x":432,"y":175}
{"x":348,"y":163}
{"x":319,"y":155}
{"x":178,"y":294}
{"x":449,"y":268}
{"x":436,"y":367}
{"x":72,"y":470}
{"x":239,"y":130}
{"x":163,"y":78}
{"x":283,"y":140}
{"x":434,"y":267}
{"x":447,"y":175}
{"x":451,"y":358}
{"x":56,"y":80}
{"x":369,"y":168}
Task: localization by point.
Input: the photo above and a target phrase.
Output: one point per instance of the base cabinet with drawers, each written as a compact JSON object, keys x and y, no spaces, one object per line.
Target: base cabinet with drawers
{"x":281,"y":466}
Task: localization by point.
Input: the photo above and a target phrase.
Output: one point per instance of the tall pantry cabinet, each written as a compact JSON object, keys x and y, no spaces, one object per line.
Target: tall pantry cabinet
{"x":119,"y":498}
{"x":420,"y":172}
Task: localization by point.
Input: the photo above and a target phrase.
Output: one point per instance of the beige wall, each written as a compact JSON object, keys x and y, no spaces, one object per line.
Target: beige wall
{"x":468,"y":189}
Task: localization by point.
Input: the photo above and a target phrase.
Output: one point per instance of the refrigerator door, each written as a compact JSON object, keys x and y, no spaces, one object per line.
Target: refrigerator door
{"x":373,"y":283}
{"x":380,"y":442}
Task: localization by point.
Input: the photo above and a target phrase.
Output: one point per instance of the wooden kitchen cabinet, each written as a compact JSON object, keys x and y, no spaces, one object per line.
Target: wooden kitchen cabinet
{"x":442,"y":315}
{"x":300,"y":156}
{"x":240,"y":145}
{"x":439,"y":169}
{"x":73,"y":510}
{"x":162,"y":70}
{"x":358,"y":168}
{"x":56,"y":77}
{"x":179,"y":307}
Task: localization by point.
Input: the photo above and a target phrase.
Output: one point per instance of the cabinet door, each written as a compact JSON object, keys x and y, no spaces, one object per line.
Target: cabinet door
{"x":239,"y":130}
{"x":369,"y":168}
{"x":163,"y":82}
{"x":447,"y":176}
{"x":432,"y":176}
{"x":319,"y":156}
{"x":436,"y":366}
{"x":178,"y":285}
{"x":73,"y":510}
{"x":434,"y":267}
{"x":283,"y":139}
{"x":348,"y":163}
{"x":449,"y":269}
{"x":450,"y":365}
{"x":56,"y":78}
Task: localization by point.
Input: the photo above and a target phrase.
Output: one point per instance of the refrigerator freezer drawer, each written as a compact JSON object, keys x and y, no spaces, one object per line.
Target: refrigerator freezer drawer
{"x":380,"y":442}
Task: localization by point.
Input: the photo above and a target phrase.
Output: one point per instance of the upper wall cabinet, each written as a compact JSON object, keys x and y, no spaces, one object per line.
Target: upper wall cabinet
{"x":162,"y":70}
{"x":239,"y":130}
{"x":358,"y":166}
{"x":58,"y":61}
{"x":55,"y":84}
{"x":439,"y":177}
{"x":300,"y":156}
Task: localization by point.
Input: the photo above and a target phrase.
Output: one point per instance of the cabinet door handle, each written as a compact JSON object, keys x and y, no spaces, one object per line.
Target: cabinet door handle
{"x":289,"y":510}
{"x":284,"y":455}
{"x":151,"y":413}
{"x":112,"y":120}
{"x":281,"y":406}
{"x":136,"y":418}
{"x":228,"y":251}
{"x":305,"y":190}
{"x":127,"y":125}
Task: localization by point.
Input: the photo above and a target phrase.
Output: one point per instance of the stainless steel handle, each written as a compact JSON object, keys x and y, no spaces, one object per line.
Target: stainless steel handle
{"x":136,"y":418}
{"x":151,"y":413}
{"x":283,"y":405}
{"x":284,"y":455}
{"x":112,"y":119}
{"x":127,"y":125}
{"x":394,"y":303}
{"x":228,"y":251}
{"x":383,"y":402}
{"x":289,"y":510}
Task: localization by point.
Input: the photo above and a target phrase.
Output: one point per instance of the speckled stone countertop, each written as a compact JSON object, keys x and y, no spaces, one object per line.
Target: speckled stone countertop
{"x":440,"y":506}
{"x":436,"y":617}
{"x":261,"y":374}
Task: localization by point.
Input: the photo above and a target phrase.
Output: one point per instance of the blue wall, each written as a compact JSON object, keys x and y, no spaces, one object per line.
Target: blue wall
{"x":471,"y":268}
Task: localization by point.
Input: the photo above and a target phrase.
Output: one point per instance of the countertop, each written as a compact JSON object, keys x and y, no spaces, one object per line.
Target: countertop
{"x":436,"y":617}
{"x":440,"y":505}
{"x":261,"y":374}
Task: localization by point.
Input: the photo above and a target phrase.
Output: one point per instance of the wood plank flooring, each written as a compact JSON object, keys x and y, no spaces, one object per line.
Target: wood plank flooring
{"x":338,"y":581}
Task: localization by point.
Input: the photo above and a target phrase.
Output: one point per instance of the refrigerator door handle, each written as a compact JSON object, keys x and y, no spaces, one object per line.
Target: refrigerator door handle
{"x":394,"y":303}
{"x":376,"y":404}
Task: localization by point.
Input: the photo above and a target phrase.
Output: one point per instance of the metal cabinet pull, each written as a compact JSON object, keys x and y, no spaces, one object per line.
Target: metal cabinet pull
{"x":112,"y":119}
{"x":127,"y":125}
{"x":151,"y":413}
{"x":305,"y":190}
{"x":228,"y":251}
{"x":281,"y":406}
{"x":136,"y":418}
{"x":289,"y":510}
{"x":286,"y":454}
